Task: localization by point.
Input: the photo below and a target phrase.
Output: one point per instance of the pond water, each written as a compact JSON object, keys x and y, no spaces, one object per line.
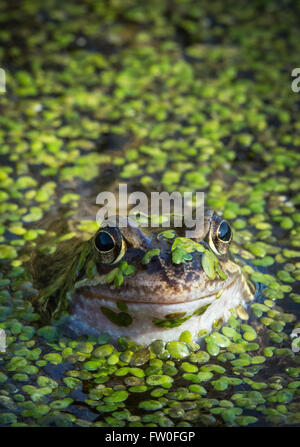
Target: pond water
{"x":181,"y":96}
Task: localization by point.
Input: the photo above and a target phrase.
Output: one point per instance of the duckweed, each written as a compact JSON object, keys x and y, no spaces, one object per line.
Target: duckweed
{"x":149,"y":255}
{"x":185,"y":337}
{"x":177,"y":350}
{"x":116,"y":397}
{"x":150,"y":405}
{"x":212,"y":347}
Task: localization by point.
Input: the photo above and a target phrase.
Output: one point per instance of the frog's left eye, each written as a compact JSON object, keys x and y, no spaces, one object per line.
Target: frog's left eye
{"x":224,"y":232}
{"x":109,"y":245}
{"x":220,"y":235}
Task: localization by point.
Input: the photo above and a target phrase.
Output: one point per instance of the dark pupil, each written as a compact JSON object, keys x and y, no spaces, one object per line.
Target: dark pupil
{"x":104,"y":242}
{"x":224,"y":232}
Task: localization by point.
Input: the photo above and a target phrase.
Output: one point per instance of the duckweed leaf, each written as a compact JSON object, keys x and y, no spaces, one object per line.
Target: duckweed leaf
{"x":208,"y":264}
{"x":168,"y":234}
{"x":121,"y":319}
{"x":149,"y":255}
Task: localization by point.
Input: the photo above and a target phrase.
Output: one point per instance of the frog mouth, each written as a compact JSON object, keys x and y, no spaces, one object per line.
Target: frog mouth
{"x":92,"y":293}
{"x":145,"y":321}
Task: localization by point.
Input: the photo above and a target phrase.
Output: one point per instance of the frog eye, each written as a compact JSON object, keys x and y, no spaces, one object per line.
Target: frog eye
{"x":224,"y":232}
{"x":109,"y":245}
{"x":220,"y":236}
{"x":104,"y":241}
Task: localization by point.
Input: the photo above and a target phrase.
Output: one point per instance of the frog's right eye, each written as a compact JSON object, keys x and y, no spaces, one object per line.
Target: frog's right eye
{"x":220,"y":236}
{"x":109,"y":245}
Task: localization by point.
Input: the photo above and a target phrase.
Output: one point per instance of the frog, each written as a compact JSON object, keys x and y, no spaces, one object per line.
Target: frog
{"x":144,"y":283}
